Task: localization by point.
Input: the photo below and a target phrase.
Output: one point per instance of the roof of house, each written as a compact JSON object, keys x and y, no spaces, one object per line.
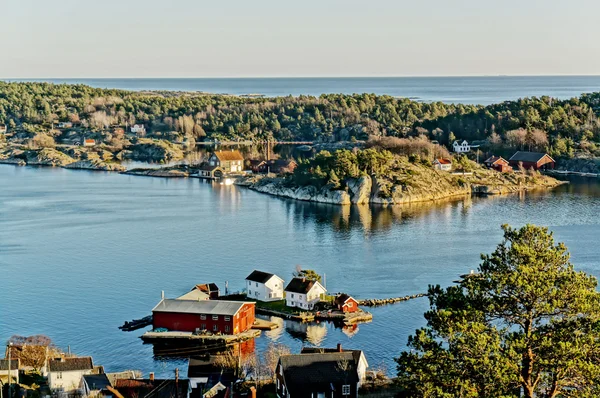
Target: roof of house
{"x":68,"y":364}
{"x":208,"y":167}
{"x":356,"y":354}
{"x":157,"y":388}
{"x":301,"y":285}
{"x":89,"y":140}
{"x":444,"y":161}
{"x":228,"y":155}
{"x":342,"y":298}
{"x":494,"y":159}
{"x":304,"y":373}
{"x":463,"y":142}
{"x":194,"y":294}
{"x":14,"y":364}
{"x":260,"y":276}
{"x":207,"y":287}
{"x":523,"y":156}
{"x":209,"y":307}
{"x":96,"y":382}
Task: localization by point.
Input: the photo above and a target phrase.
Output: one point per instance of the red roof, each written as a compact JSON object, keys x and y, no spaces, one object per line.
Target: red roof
{"x":444,"y":161}
{"x":228,"y":155}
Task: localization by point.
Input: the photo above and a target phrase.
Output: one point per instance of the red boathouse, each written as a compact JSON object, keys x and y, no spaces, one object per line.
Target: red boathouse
{"x":532,"y":160}
{"x":216,"y":316}
{"x":346,"y":303}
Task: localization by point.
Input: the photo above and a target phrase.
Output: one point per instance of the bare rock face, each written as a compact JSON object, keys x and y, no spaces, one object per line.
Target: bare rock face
{"x":360,"y":189}
{"x":95,"y":165}
{"x":48,"y":157}
{"x":307,"y":193}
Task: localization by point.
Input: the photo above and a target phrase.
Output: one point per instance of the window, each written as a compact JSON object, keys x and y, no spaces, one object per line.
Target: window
{"x":227,"y":318}
{"x":249,"y":291}
{"x":203,"y":326}
{"x":256,"y":284}
{"x":256,"y":294}
{"x":227,"y":328}
{"x":346,"y":389}
{"x":59,"y":375}
{"x":278,"y":384}
{"x":203,"y":317}
{"x":215,"y":317}
{"x":215,"y":328}
{"x":292,"y":295}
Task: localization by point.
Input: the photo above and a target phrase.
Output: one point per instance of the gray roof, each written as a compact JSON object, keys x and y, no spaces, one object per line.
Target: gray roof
{"x":303,"y":373}
{"x":209,"y":307}
{"x":260,"y":276}
{"x":96,"y":382}
{"x":68,"y":364}
{"x":522,"y":156}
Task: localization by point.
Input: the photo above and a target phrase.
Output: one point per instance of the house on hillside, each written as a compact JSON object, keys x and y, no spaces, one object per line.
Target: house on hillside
{"x":328,"y":374}
{"x":346,"y":303}
{"x":359,"y":358}
{"x":461,"y":147}
{"x":442,"y":164}
{"x":230,"y":161}
{"x":264,"y":286}
{"x":303,"y":293}
{"x":64,"y":374}
{"x":3,"y":129}
{"x":497,"y":163}
{"x":210,"y":172}
{"x":532,"y":160}
{"x":216,"y":316}
{"x":255,"y":165}
{"x":94,"y":385}
{"x":138,"y":129}
{"x":279,"y":166}
{"x":89,"y":142}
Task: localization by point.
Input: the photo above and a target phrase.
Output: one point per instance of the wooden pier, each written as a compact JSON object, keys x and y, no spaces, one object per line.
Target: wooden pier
{"x":224,"y":339}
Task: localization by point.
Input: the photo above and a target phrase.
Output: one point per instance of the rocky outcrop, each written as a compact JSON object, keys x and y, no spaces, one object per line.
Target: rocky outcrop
{"x":360,"y":189}
{"x":95,"y":165}
{"x":586,"y":165}
{"x":308,"y":193}
{"x":166,"y":173}
{"x":154,"y":151}
{"x":48,"y":157}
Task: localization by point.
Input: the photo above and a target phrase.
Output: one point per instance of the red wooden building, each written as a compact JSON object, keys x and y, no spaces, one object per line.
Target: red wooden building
{"x":346,"y":303}
{"x":531,"y":160}
{"x":498,"y":163}
{"x":216,"y":316}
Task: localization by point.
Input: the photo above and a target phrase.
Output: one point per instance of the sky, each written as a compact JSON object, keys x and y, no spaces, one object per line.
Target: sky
{"x":277,"y":38}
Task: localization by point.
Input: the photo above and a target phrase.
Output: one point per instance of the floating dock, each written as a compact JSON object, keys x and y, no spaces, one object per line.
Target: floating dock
{"x":225,"y":339}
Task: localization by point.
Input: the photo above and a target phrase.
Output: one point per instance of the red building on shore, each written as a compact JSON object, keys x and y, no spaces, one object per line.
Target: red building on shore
{"x":216,"y":316}
{"x":531,"y":160}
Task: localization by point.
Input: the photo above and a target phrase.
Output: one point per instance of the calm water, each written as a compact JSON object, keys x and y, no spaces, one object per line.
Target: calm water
{"x":80,"y":252}
{"x":466,"y":90}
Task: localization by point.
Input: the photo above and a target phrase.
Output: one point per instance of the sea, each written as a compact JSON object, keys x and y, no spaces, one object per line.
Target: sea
{"x":483,"y":90}
{"x":83,"y":251}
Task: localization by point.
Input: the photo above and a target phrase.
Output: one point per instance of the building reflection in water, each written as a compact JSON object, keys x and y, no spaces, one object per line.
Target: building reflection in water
{"x":313,"y":333}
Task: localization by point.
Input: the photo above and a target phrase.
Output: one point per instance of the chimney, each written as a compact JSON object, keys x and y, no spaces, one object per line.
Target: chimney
{"x":151,"y":376}
{"x":339,"y":347}
{"x":162,"y":294}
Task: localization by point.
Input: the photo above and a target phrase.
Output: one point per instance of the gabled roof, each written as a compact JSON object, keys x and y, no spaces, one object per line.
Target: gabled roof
{"x":209,"y":307}
{"x":343,"y":298}
{"x":463,"y":142}
{"x":304,"y":373}
{"x":207,"y":167}
{"x":228,"y":155}
{"x":443,"y":161}
{"x":15,"y":364}
{"x":356,"y":354}
{"x":494,"y":159}
{"x":207,"y":287}
{"x":96,"y":382}
{"x":301,"y":285}
{"x":157,"y":388}
{"x":194,"y":294}
{"x":70,"y":364}
{"x":523,"y":156}
{"x":261,"y":277}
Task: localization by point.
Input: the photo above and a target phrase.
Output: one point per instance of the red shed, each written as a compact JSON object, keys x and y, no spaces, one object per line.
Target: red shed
{"x":346,"y":303}
{"x":498,"y":163}
{"x":217,"y":316}
{"x":532,"y":160}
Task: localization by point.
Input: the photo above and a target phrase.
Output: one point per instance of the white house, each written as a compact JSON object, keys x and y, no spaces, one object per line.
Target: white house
{"x":64,"y":374}
{"x":461,"y":147}
{"x":264,"y":286}
{"x":442,"y":164}
{"x":138,"y":129}
{"x":231,"y":161}
{"x":303,"y":293}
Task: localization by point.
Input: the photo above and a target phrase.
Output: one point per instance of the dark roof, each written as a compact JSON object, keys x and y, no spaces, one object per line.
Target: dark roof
{"x":207,"y":167}
{"x":96,"y":382}
{"x":319,"y":350}
{"x":14,"y":364}
{"x":259,"y":276}
{"x":67,"y":364}
{"x":522,"y":156}
{"x":210,"y":307}
{"x":342,"y":298}
{"x":304,"y":373}
{"x":300,"y":285}
{"x":157,"y":388}
{"x":228,"y":155}
{"x":207,"y":287}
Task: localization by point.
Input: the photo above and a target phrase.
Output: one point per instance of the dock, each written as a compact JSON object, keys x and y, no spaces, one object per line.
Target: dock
{"x":261,"y":324}
{"x":136,"y":324}
{"x":225,"y":339}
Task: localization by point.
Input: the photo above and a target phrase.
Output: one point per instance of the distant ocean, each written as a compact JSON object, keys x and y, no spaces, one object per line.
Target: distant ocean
{"x":466,"y":90}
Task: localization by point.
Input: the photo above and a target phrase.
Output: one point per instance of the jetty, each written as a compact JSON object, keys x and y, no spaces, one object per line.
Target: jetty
{"x":200,"y":338}
{"x":136,"y":324}
{"x":386,"y":301}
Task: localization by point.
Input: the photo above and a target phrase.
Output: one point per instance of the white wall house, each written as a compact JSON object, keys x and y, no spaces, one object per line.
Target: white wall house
{"x":64,"y":374}
{"x":442,"y":164}
{"x":303,"y":293}
{"x":263,"y":286}
{"x":138,"y":128}
{"x":461,"y":147}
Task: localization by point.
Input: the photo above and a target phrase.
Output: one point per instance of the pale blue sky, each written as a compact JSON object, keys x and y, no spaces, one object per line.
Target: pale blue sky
{"x":238,"y":38}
